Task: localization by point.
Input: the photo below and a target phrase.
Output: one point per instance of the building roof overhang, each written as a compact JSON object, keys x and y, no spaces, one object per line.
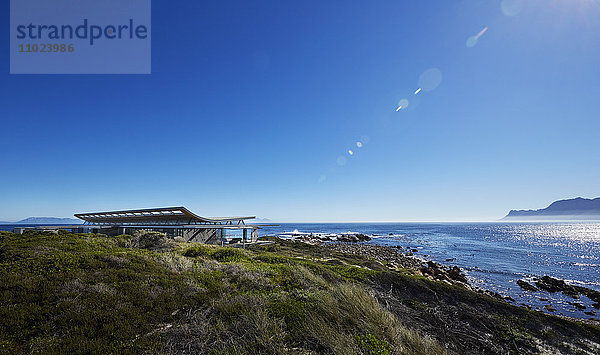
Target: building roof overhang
{"x":156,"y":216}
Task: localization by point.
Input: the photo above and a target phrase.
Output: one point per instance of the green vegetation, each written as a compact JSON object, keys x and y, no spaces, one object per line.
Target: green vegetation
{"x":87,"y":293}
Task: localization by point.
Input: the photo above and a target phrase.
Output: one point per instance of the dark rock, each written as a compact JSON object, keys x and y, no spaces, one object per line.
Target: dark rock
{"x":579,"y":306}
{"x":571,"y":293}
{"x":549,"y":308}
{"x":347,"y":238}
{"x":433,"y":264}
{"x":353,"y":238}
{"x":439,"y":272}
{"x":494,"y":294}
{"x":363,"y":237}
{"x":552,"y":284}
{"x":415,"y":250}
{"x":456,"y":274}
{"x":591,"y":294}
{"x":526,"y":286}
{"x":427,"y":271}
{"x":451,"y":259}
{"x":590,"y":313}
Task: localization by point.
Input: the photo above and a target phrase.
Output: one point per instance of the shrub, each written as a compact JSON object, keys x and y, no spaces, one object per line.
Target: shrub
{"x":151,"y":240}
{"x":369,"y":344}
{"x":273,"y":259}
{"x":229,"y":254}
{"x":197,"y":250}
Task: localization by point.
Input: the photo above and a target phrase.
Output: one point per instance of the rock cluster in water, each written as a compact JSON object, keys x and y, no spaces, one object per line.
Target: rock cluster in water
{"x":552,"y":285}
{"x":315,"y":238}
{"x":526,"y":286}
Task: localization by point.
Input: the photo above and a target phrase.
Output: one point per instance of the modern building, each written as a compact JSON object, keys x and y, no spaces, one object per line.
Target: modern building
{"x":173,"y":221}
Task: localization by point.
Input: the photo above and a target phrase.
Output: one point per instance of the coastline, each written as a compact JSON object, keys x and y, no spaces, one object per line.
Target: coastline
{"x":494,"y":256}
{"x":150,"y":294}
{"x":460,"y":245}
{"x":398,"y":259}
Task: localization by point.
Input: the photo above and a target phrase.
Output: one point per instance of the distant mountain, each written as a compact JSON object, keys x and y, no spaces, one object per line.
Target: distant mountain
{"x":573,"y":209}
{"x":258,"y":220}
{"x":46,"y":220}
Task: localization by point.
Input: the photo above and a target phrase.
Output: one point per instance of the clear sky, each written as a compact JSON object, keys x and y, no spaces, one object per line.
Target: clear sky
{"x":252,"y":106}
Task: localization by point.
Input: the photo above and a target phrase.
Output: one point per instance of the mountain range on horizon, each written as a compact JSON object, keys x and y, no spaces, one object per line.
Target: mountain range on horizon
{"x":576,"y":209}
{"x":46,"y":220}
{"x":571,"y":209}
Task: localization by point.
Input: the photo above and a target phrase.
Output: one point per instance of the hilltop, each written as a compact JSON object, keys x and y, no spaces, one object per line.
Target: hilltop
{"x":86,"y":293}
{"x":571,"y":209}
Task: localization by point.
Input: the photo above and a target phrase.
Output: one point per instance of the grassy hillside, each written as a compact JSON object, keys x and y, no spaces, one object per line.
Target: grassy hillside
{"x":90,"y":293}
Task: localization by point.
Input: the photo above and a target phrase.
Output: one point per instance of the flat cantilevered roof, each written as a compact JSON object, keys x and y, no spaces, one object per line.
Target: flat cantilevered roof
{"x":155,"y":216}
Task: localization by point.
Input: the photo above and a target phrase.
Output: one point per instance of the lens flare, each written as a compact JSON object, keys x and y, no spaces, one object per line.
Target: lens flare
{"x":430,"y":79}
{"x":481,"y":33}
{"x":472,"y":41}
{"x":418,"y":91}
{"x":341,"y":161}
{"x":359,"y":144}
{"x":350,"y":152}
{"x":511,"y":7}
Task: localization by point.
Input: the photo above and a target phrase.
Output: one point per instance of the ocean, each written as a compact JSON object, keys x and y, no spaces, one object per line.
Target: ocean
{"x":493,"y":255}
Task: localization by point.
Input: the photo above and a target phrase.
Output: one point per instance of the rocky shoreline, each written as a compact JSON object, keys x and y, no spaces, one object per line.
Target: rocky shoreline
{"x":397,"y":257}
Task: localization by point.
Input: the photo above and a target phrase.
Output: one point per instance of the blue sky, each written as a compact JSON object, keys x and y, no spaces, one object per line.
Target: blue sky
{"x":251,"y":104}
